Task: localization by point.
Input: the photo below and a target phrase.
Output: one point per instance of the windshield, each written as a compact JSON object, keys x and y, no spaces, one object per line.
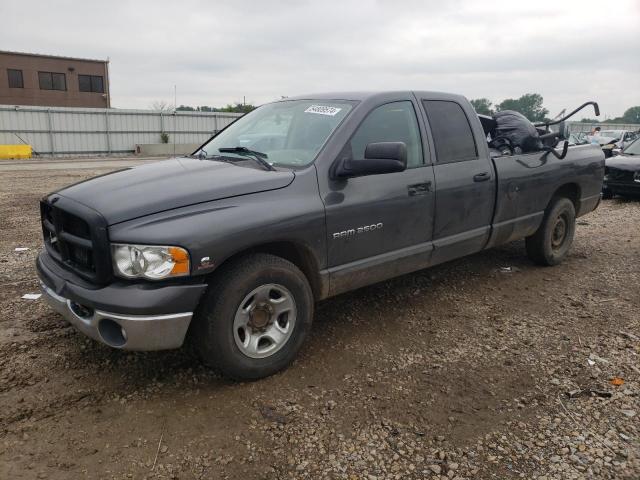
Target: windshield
{"x":288,"y":134}
{"x":633,"y":148}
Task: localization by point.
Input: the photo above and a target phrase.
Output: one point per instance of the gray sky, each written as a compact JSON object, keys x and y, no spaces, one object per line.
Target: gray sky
{"x":216,"y":52}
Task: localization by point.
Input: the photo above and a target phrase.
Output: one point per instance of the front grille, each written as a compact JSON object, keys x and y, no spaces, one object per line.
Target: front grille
{"x":75,"y":237}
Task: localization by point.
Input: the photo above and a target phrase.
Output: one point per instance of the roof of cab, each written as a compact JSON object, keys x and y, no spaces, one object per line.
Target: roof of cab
{"x":365,"y":95}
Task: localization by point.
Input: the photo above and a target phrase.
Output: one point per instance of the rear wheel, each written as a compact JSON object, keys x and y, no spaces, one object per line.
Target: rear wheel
{"x":550,"y":244}
{"x":254,"y":317}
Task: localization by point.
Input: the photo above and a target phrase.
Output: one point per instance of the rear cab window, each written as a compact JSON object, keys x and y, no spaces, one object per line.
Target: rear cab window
{"x":451,"y":131}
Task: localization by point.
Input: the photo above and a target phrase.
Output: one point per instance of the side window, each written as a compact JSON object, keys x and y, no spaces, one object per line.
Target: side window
{"x":451,"y":131}
{"x":392,"y":122}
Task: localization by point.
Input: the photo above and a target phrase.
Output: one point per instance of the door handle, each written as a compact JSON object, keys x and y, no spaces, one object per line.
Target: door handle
{"x":419,"y":189}
{"x":481,"y":177}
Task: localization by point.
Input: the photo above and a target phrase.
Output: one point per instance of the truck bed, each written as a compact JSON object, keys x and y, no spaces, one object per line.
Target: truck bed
{"x":523,"y":188}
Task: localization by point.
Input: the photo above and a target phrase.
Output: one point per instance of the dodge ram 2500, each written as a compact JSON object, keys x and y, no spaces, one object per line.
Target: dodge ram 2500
{"x":297,"y":201}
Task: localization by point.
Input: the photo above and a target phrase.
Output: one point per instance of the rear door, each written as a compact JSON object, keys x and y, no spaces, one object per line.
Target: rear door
{"x":464,"y":178}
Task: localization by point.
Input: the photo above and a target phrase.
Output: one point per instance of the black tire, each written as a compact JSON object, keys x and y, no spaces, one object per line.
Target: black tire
{"x":213,"y":329}
{"x":551,"y":242}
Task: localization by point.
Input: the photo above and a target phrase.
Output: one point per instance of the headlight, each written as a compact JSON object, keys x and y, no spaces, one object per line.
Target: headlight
{"x":149,"y":261}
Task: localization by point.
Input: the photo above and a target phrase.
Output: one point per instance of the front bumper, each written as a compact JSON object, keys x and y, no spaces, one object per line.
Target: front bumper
{"x":125,"y":316}
{"x":623,"y":188}
{"x":128,"y":332}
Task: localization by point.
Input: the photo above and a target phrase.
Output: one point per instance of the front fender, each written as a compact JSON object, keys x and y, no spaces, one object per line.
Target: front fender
{"x":214,"y":231}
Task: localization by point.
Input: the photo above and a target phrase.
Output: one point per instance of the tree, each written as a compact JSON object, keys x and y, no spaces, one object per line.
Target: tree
{"x":238,"y":108}
{"x":529,"y":104}
{"x":161,"y":105}
{"x":482,"y":106}
{"x":235,"y":108}
{"x":632,"y":115}
{"x":589,"y":120}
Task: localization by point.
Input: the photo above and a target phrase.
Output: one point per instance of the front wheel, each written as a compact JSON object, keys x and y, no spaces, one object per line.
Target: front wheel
{"x":550,"y":244}
{"x":254,"y":317}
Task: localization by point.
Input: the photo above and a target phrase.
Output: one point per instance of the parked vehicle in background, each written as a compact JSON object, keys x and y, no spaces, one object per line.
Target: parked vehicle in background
{"x":613,"y":141}
{"x":622,"y":172}
{"x":578,"y":138}
{"x":297,"y":201}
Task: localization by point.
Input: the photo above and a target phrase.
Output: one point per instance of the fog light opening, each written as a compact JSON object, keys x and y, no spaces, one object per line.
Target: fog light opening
{"x":112,"y":333}
{"x":81,"y":310}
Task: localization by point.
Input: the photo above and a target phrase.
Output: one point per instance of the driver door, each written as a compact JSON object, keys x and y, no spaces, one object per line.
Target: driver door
{"x":380,"y":226}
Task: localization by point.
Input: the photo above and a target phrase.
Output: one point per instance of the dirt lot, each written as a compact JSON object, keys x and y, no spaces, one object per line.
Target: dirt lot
{"x":462,"y":371}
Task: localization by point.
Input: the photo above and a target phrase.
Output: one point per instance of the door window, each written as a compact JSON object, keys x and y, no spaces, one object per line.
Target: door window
{"x":392,"y":122}
{"x":451,"y":131}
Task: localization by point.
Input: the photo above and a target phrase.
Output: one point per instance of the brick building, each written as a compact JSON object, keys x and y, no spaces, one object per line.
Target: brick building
{"x":48,"y":80}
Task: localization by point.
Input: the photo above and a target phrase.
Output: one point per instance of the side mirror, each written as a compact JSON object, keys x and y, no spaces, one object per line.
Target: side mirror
{"x":379,"y":158}
{"x":563,"y":131}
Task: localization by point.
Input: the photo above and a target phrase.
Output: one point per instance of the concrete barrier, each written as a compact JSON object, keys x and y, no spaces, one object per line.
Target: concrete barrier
{"x":15,"y":151}
{"x":154,"y":149}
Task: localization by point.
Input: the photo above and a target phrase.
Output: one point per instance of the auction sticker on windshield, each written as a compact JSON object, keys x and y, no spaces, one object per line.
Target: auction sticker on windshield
{"x":322,"y":110}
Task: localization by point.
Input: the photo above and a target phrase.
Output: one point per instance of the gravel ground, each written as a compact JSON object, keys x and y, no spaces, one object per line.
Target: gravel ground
{"x":486,"y":367}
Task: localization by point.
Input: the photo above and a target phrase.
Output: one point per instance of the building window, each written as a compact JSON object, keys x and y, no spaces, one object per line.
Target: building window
{"x":52,"y":81}
{"x":15,"y":78}
{"x":91,"y":83}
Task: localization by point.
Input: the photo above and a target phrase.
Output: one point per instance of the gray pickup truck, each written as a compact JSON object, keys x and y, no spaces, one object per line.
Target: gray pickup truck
{"x":297,"y":201}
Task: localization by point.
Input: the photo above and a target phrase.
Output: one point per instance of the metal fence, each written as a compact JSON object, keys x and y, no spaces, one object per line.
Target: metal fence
{"x":576,"y":127}
{"x":105,"y":131}
{"x":78,"y":131}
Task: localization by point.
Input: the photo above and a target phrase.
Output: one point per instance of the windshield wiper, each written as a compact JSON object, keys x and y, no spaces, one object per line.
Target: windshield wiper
{"x":259,"y":157}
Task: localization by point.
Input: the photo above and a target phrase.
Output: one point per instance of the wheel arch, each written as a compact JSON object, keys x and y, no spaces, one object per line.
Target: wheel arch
{"x":571,"y":191}
{"x":297,"y":253}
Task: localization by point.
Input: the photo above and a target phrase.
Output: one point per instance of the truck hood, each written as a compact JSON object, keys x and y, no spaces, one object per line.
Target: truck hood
{"x":624,"y":162}
{"x":178,"y":182}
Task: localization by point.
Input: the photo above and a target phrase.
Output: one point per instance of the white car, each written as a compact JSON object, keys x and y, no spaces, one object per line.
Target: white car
{"x":621,"y":138}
